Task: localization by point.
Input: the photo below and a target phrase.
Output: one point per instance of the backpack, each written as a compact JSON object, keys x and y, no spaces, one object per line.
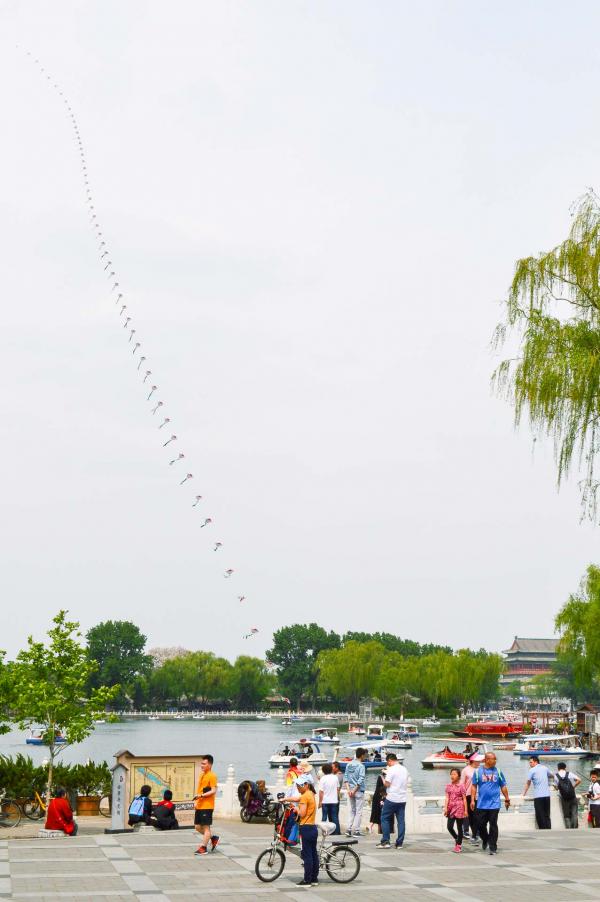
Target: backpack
{"x":566,"y":788}
{"x":137,"y":807}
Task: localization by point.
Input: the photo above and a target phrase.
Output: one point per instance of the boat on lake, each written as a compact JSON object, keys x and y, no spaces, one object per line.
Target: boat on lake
{"x":431,"y":722}
{"x":410,"y":730}
{"x":551,"y":746}
{"x":375,"y":759}
{"x":198,"y":716}
{"x":324,"y":734}
{"x":356,"y":728}
{"x":454,"y":753}
{"x":154,"y":717}
{"x":38,"y":737}
{"x":396,"y":739}
{"x":375,"y":731}
{"x":302,"y":749}
{"x":491,"y":729}
{"x":263,"y":717}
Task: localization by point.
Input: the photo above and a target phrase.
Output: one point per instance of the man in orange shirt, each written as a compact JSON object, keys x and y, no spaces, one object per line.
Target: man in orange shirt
{"x":205,"y":805}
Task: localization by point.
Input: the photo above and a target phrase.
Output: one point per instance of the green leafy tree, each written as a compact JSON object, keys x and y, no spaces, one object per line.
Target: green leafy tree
{"x":50,"y":687}
{"x":6,"y":693}
{"x":553,"y":306}
{"x":250,"y":682}
{"x":578,"y":623}
{"x":351,"y":672}
{"x":295,"y":652}
{"x":514,"y":690}
{"x":118,"y":648}
{"x":406,"y":647}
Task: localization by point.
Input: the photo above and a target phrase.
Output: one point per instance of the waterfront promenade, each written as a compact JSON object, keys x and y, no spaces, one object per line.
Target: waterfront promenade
{"x":547,"y":865}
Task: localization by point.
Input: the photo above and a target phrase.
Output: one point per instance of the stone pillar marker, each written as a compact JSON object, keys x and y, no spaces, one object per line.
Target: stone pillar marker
{"x":228,"y":797}
{"x":119,"y":799}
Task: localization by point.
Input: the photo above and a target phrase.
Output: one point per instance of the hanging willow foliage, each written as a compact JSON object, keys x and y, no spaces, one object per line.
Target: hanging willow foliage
{"x":554,"y":307}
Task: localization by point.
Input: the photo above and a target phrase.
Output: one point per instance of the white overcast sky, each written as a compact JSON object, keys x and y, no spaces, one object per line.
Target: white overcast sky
{"x":314,"y":209}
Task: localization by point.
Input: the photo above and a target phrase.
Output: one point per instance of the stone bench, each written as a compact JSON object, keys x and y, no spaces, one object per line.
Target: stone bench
{"x":145,"y":828}
{"x":51,"y":834}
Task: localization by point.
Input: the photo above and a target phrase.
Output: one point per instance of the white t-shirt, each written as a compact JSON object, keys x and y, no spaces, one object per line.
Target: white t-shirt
{"x":397,"y":776}
{"x":328,"y":785}
{"x":595,"y":793}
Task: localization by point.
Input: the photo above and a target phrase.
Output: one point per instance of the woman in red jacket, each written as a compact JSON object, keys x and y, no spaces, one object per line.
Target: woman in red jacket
{"x":59,"y":815}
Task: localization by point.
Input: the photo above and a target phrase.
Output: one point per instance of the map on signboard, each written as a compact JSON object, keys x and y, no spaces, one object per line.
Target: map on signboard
{"x":178,"y":777}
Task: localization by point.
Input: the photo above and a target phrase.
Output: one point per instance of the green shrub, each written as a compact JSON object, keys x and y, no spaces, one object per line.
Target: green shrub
{"x":92,"y":779}
{"x":19,"y":776}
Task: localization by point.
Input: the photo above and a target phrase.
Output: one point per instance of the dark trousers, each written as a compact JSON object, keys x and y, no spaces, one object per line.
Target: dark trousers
{"x":488,"y":817}
{"x":470,"y":821}
{"x":595,"y":813}
{"x":542,"y":812}
{"x":310,"y":856}
{"x":390,"y":811}
{"x":570,"y":810}
{"x":458,"y":832}
{"x":331,"y":812}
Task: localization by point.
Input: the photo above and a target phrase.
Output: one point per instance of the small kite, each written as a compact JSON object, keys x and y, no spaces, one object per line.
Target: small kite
{"x":127,"y":321}
{"x":228,"y":573}
{"x":123,"y":308}
{"x":152,"y":390}
{"x":241,"y":598}
{"x":168,"y":442}
{"x":140,"y":361}
{"x":136,"y":346}
{"x":218,"y":545}
{"x":158,"y":404}
{"x":197,"y":501}
{"x":253,"y":632}
{"x":110,"y":261}
{"x":164,"y":422}
{"x":180,"y":456}
{"x":132,"y":333}
{"x":187,"y":476}
{"x":148,"y":373}
{"x":206,"y":522}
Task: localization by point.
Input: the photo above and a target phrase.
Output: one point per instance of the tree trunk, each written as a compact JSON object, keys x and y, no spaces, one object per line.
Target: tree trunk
{"x":50,"y":775}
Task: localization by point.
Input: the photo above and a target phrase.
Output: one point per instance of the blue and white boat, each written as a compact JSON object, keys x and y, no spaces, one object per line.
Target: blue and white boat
{"x":550,"y":746}
{"x":375,"y":759}
{"x":325,"y":734}
{"x":36,"y":737}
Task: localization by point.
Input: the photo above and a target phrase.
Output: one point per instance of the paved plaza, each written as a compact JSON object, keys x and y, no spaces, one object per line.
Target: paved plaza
{"x":161,"y":866}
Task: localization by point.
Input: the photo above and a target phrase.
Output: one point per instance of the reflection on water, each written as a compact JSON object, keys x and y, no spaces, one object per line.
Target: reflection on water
{"x":247,"y":745}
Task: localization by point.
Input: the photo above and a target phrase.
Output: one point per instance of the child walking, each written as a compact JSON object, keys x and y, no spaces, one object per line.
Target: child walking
{"x":455,"y":808}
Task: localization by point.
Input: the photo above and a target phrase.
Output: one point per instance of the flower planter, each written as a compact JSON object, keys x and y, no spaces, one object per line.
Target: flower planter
{"x":88,"y":806}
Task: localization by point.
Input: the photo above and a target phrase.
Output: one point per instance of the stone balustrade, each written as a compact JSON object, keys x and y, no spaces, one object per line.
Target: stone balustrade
{"x":423,"y":814}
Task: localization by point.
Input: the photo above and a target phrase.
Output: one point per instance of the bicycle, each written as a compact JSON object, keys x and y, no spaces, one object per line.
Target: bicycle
{"x":35,"y":807}
{"x":10,"y":811}
{"x":341,"y":863}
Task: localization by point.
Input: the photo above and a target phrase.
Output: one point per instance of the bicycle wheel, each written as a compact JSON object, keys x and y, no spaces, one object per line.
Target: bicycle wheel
{"x":32,"y":809}
{"x":342,"y":864}
{"x":106,"y":806}
{"x":10,"y":813}
{"x":245,"y":815}
{"x":269,"y":865}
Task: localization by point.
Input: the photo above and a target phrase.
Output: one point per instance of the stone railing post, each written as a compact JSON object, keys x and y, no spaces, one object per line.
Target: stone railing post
{"x":228,"y":797}
{"x":556,"y":813}
{"x":280,"y":782}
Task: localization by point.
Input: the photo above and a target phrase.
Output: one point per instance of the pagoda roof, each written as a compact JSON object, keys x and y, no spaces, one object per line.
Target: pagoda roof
{"x":533,"y":645}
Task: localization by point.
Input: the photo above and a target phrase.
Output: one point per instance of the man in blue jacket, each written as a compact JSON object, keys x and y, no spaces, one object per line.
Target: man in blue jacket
{"x":355,"y":783}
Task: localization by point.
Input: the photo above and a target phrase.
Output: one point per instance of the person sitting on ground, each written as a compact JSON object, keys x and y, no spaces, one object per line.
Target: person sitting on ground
{"x":60,"y":814}
{"x":293,"y":772}
{"x":140,"y":810}
{"x":164,"y":812}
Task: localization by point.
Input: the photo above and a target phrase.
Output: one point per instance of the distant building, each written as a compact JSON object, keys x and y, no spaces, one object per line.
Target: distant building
{"x":527,"y":658}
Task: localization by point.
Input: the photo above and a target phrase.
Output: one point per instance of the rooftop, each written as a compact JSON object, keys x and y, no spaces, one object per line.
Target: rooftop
{"x":533,"y":645}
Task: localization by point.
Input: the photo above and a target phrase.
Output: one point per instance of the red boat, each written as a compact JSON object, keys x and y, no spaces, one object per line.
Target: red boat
{"x":489,"y":729}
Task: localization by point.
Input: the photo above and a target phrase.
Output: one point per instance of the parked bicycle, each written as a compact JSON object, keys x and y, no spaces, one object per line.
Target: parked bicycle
{"x":35,"y":806}
{"x":341,"y":863}
{"x":10,"y":811}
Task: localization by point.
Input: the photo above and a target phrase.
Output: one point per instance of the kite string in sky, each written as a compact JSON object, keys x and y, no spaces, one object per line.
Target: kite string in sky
{"x":109,"y":269}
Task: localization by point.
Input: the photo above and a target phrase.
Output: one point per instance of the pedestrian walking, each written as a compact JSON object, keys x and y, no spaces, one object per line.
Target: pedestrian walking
{"x":396,"y":786}
{"x":488,"y":783}
{"x":540,"y":778}
{"x":466,"y":778}
{"x":355,"y":782}
{"x":377,"y":801}
{"x":594,"y":797}
{"x":338,"y":772}
{"x":307,"y":809}
{"x":455,"y":808}
{"x":205,"y":806}
{"x":566,"y":784}
{"x":329,"y":798}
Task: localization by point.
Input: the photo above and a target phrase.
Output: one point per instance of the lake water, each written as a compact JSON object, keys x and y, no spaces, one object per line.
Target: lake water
{"x":247,"y":745}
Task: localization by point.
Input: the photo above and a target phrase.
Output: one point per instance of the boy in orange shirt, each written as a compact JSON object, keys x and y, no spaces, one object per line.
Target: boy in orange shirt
{"x":205,"y":805}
